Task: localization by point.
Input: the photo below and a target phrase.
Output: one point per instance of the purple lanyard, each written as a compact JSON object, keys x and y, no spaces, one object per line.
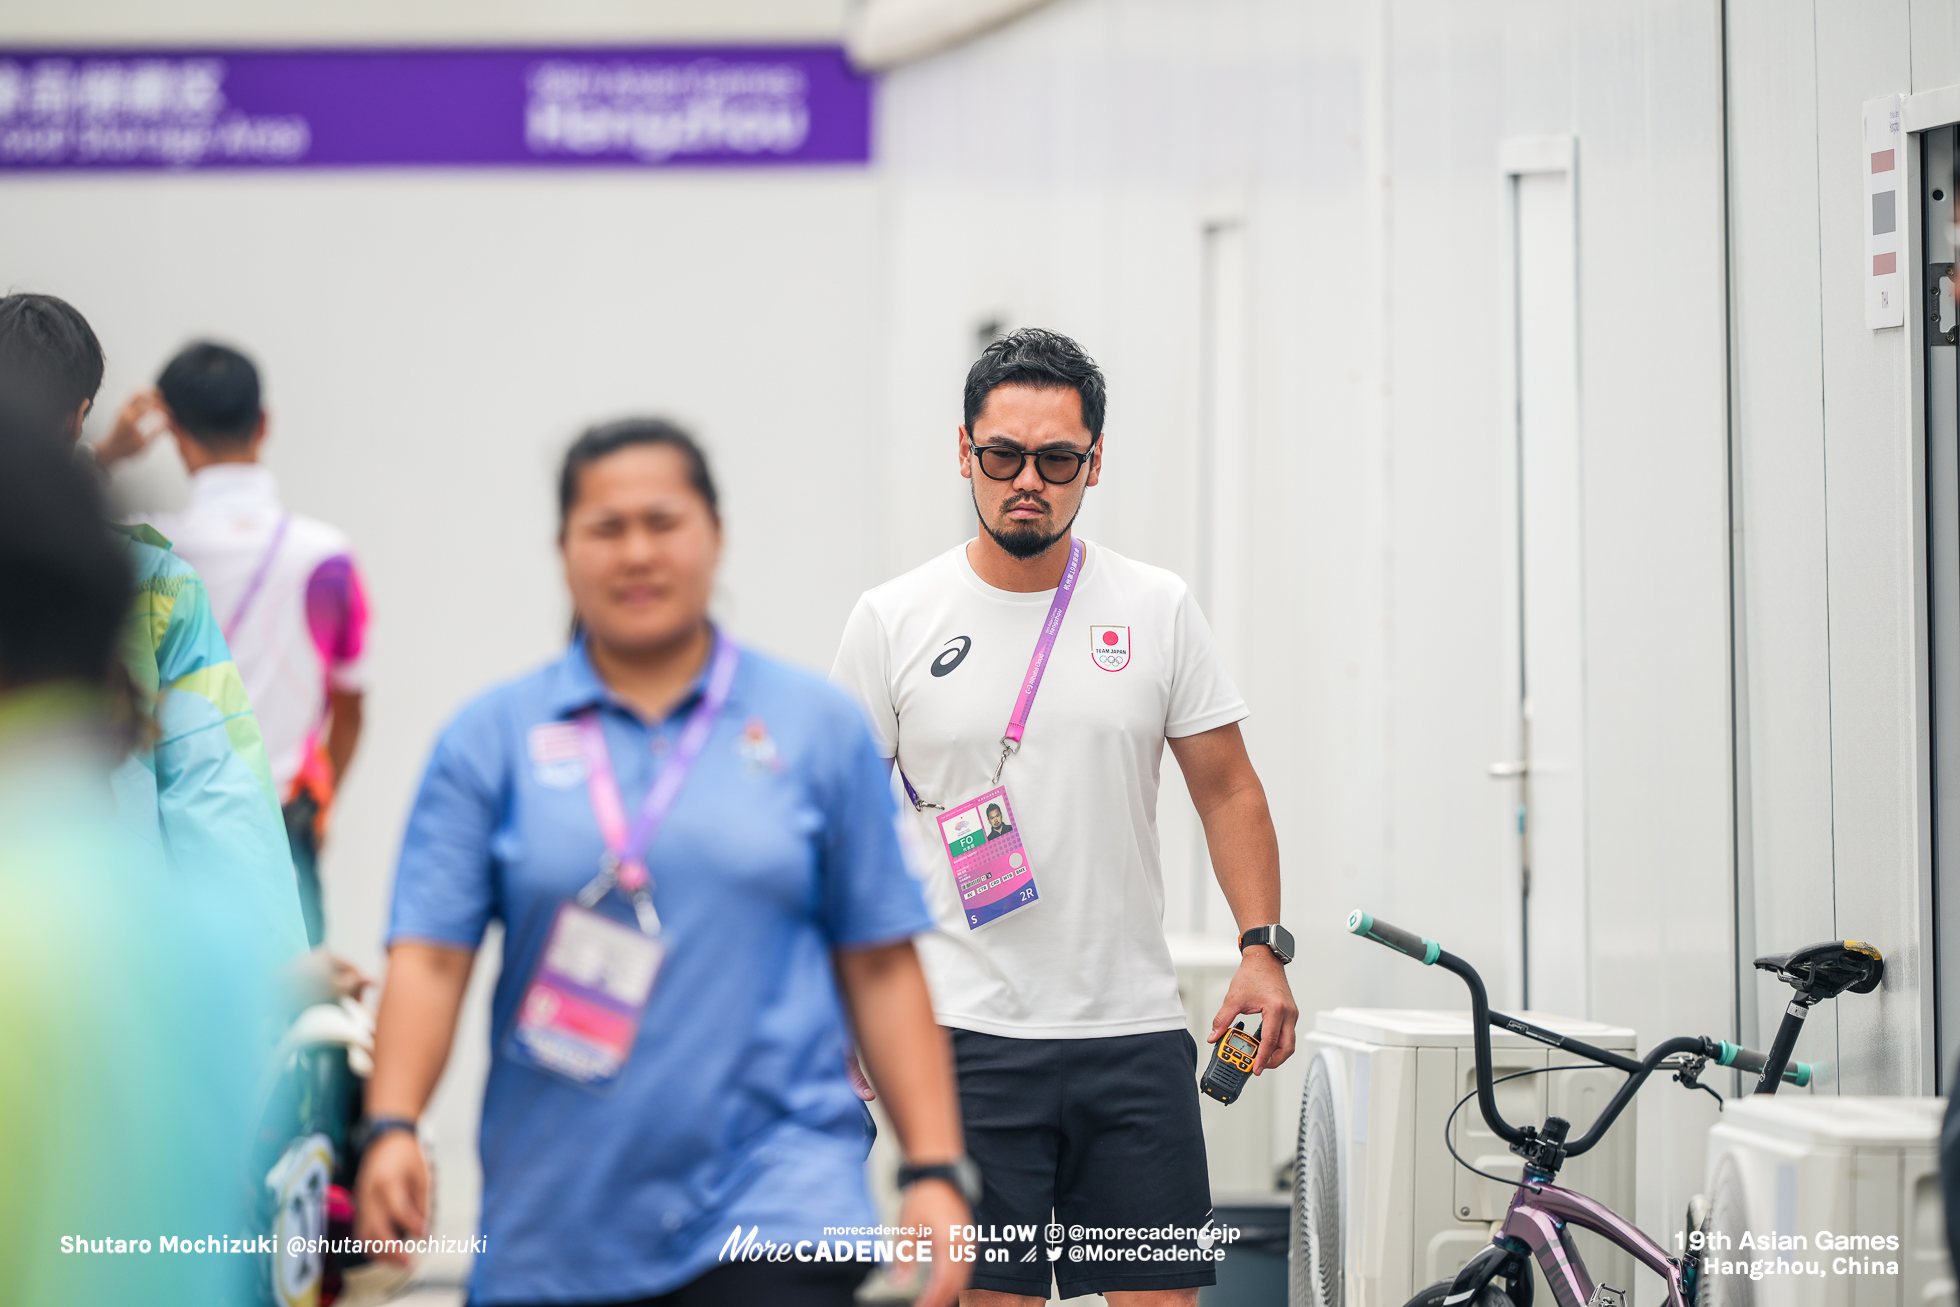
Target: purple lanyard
{"x":1051,"y":631}
{"x":625,"y":861}
{"x":258,"y":577}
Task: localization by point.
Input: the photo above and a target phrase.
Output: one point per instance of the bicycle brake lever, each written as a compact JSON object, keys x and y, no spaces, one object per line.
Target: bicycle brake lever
{"x":1689,"y":1074}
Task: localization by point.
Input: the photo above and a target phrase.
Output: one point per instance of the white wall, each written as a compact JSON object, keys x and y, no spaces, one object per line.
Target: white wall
{"x":429,"y":344}
{"x":1060,"y":172}
{"x":1830,"y":494}
{"x":476,"y":22}
{"x":430,"y":341}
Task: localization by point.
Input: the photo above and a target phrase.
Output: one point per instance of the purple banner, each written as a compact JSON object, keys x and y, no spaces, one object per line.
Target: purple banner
{"x":646,"y":107}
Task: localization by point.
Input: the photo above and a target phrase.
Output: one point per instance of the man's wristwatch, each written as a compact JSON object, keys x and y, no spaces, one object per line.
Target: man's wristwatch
{"x":963,"y":1173}
{"x":1275,"y":937}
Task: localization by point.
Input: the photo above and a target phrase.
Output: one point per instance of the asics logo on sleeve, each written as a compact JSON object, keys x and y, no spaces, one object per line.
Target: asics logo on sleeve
{"x":952,"y":657}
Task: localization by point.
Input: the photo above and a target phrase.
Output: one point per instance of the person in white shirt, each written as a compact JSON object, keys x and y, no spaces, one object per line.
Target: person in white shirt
{"x":285,"y":588}
{"x":1037,"y":672}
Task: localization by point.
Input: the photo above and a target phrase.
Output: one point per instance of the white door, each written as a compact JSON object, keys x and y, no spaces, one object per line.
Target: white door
{"x":1551,"y":781}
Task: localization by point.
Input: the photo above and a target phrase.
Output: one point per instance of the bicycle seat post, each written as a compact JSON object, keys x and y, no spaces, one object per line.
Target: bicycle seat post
{"x":1785,"y":1044}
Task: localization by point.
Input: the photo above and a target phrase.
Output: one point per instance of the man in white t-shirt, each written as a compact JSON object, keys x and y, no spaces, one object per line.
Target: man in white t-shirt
{"x":1077,"y":1076}
{"x":285,"y":587}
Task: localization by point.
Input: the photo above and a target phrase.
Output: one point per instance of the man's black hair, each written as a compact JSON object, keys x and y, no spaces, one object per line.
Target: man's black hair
{"x":611,"y":437}
{"x":213,"y":394}
{"x":1045,"y":360}
{"x":64,"y":579}
{"x":50,"y":360}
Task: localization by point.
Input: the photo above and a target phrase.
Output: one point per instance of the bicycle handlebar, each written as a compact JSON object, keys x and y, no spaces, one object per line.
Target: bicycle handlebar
{"x":1425,"y":951}
{"x":1430,"y":953}
{"x":1748,"y":1059}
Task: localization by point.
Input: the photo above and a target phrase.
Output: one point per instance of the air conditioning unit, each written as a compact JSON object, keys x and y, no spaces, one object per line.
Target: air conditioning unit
{"x":1843,"y":1192}
{"x":1380,"y":1209}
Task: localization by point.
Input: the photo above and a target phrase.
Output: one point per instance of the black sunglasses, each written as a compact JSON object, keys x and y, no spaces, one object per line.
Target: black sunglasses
{"x":1057,"y":467}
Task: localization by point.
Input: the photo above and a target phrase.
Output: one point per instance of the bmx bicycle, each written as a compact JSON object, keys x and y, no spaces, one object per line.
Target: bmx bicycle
{"x":1541,"y":1212}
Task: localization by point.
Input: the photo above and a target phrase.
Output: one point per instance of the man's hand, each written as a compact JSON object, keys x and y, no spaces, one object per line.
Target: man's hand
{"x":1245,"y":856}
{"x":936,"y":1204}
{"x":1259,"y":985}
{"x":140,"y":422}
{"x":391,"y":1195}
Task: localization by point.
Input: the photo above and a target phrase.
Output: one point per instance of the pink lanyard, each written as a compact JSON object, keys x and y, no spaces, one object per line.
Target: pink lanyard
{"x":258,"y":577}
{"x":1051,"y":631}
{"x":625,"y":861}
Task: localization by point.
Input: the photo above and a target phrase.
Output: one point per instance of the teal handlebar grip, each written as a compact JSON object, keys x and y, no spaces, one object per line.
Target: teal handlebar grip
{"x":1425,"y":951}
{"x":1749,"y":1060}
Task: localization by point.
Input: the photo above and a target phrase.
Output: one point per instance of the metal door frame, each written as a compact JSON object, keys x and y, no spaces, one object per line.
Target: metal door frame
{"x":1931,"y":119}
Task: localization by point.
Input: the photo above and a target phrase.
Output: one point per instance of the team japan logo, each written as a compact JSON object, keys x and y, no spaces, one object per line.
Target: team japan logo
{"x":1110,"y":646}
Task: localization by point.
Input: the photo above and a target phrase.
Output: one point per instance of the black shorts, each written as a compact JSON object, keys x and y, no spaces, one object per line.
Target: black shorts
{"x":1094,"y":1162}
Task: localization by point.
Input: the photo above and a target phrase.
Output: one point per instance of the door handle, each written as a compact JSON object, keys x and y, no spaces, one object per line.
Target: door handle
{"x":1505,"y":771}
{"x":1940,"y":309}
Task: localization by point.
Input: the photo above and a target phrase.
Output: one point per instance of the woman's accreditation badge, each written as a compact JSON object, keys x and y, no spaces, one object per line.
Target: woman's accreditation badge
{"x":990,"y":866}
{"x":581,"y":1011}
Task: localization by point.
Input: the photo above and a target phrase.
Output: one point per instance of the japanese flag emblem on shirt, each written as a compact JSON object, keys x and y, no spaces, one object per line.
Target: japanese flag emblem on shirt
{"x":1110,"y":646}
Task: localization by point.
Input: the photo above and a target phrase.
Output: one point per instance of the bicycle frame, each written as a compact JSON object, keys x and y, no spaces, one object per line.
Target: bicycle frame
{"x":1540,"y":1212}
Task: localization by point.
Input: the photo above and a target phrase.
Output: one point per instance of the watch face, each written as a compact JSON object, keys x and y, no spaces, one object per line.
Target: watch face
{"x":1277,"y":938}
{"x":1283,"y":943}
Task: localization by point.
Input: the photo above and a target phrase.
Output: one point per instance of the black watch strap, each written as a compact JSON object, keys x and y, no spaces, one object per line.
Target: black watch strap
{"x":962,"y":1173}
{"x":1275,"y":937}
{"x":375,"y":1127}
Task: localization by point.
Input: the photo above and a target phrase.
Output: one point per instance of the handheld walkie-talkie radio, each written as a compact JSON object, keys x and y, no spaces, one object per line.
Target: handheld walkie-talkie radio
{"x":1231,"y":1063}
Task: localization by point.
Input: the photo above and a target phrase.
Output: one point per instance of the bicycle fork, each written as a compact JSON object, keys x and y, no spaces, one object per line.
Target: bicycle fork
{"x":1536,"y":1226}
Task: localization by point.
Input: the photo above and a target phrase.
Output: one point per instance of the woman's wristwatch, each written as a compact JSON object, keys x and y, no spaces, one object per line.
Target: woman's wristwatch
{"x":375,"y":1127}
{"x":963,"y":1173}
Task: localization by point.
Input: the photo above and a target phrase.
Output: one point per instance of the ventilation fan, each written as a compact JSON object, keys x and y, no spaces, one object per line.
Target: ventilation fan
{"x":1379,"y":1209}
{"x":1314,"y":1251}
{"x":1855,"y":1184}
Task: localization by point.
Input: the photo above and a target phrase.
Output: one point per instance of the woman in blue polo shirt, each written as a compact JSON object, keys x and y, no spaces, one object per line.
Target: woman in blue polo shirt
{"x":692,"y":851}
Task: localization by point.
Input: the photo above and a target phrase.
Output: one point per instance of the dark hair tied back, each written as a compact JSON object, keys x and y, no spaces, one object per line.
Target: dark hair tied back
{"x":611,"y":437}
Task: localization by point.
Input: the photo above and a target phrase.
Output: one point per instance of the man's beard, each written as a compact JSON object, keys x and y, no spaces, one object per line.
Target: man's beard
{"x":1023,"y":542}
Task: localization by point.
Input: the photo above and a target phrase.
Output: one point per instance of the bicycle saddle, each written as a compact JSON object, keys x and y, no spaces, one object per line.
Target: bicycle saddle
{"x":1821,"y":971}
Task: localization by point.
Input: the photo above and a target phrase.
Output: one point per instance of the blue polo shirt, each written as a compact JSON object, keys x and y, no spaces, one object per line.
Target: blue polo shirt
{"x":734,"y":1108}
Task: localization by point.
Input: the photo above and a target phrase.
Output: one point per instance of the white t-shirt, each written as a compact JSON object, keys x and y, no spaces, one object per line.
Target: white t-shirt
{"x":937,"y":657}
{"x":304,"y":631}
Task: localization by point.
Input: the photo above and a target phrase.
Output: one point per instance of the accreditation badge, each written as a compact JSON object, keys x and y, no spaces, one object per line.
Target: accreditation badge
{"x":990,"y":864}
{"x":581,"y":1012}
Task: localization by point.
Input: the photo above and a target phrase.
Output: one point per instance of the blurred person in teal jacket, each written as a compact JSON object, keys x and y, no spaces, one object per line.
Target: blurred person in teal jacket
{"x":132,"y":1028}
{"x":197,"y":788}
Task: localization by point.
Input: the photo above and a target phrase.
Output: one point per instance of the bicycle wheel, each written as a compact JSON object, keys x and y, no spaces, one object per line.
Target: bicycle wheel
{"x":1433,"y":1296}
